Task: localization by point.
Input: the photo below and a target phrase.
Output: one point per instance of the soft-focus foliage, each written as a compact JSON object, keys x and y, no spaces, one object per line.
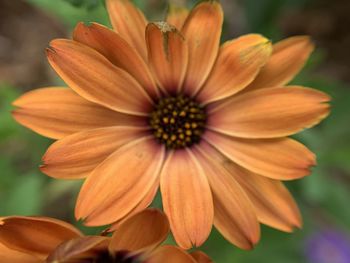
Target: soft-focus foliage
{"x":323,"y":197}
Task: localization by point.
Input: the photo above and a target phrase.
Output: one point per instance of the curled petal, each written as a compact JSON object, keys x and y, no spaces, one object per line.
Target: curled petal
{"x":35,"y":235}
{"x":79,"y":249}
{"x":170,"y":254}
{"x":288,"y":58}
{"x":238,"y":63}
{"x":141,"y":232}
{"x":14,"y":256}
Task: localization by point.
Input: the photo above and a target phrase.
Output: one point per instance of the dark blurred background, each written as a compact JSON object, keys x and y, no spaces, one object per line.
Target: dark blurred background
{"x":26,"y":27}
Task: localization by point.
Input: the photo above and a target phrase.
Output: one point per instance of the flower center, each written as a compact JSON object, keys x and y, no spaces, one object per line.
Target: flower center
{"x":178,"y":121}
{"x":119,"y":257}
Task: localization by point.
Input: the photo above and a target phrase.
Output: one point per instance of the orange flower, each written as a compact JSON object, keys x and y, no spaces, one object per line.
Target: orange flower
{"x":41,"y":239}
{"x":207,"y":123}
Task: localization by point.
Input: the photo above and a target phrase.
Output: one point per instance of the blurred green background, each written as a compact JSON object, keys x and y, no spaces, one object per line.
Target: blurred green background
{"x":26,"y":27}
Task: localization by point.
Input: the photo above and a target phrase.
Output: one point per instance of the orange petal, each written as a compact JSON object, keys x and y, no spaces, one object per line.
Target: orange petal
{"x":129,"y":22}
{"x":79,"y":248}
{"x":119,"y":183}
{"x":177,"y":16}
{"x":75,"y":156}
{"x":234,"y":214}
{"x":272,"y":201}
{"x":96,"y":79}
{"x":12,"y":256}
{"x":288,"y":58}
{"x":281,"y":159}
{"x":187,"y":199}
{"x":238,"y":63}
{"x":118,"y":51}
{"x":201,"y":257}
{"x":167,"y":54}
{"x":144,"y":203}
{"x":58,"y":112}
{"x":170,"y":254}
{"x":35,"y":235}
{"x":141,"y":233}
{"x":202,"y":30}
{"x":270,"y":112}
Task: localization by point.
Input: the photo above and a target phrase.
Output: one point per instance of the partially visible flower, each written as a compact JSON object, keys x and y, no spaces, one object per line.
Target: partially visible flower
{"x":153,"y":105}
{"x":136,"y":240}
{"x":328,"y":246}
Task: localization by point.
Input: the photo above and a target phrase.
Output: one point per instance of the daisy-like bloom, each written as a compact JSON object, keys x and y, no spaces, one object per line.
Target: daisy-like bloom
{"x":164,"y":104}
{"x":136,"y":240}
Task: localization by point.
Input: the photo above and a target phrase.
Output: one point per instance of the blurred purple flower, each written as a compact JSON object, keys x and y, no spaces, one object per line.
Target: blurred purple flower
{"x":328,"y":246}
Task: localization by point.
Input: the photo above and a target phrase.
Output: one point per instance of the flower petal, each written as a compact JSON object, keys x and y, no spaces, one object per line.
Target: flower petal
{"x":12,"y":256}
{"x":187,"y":199}
{"x":75,"y":156}
{"x":144,"y":203}
{"x":119,"y":183}
{"x":170,"y":254}
{"x":288,"y":58}
{"x":79,"y":248}
{"x":96,"y":79}
{"x":167,"y":54}
{"x":281,"y":159}
{"x":118,"y":51}
{"x":270,"y":112}
{"x":201,"y":257}
{"x":129,"y":22}
{"x":238,"y":63}
{"x":234,"y":214}
{"x":141,"y":233}
{"x":57,"y":112}
{"x":177,"y":16}
{"x":35,"y":235}
{"x":272,"y":201}
{"x":202,"y":31}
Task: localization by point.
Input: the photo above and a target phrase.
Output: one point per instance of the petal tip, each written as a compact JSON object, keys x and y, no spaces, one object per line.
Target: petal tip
{"x":14,"y":113}
{"x":78,"y":215}
{"x":307,"y":40}
{"x":17,"y":115}
{"x":50,"y":50}
{"x":80,"y":24}
{"x":45,"y":169}
{"x":56,"y":43}
{"x":250,"y":243}
{"x":297,"y":224}
{"x":42,"y":167}
{"x":16,"y":103}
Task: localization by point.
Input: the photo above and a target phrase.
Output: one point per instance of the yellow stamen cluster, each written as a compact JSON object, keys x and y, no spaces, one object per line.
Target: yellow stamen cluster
{"x":178,"y":121}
